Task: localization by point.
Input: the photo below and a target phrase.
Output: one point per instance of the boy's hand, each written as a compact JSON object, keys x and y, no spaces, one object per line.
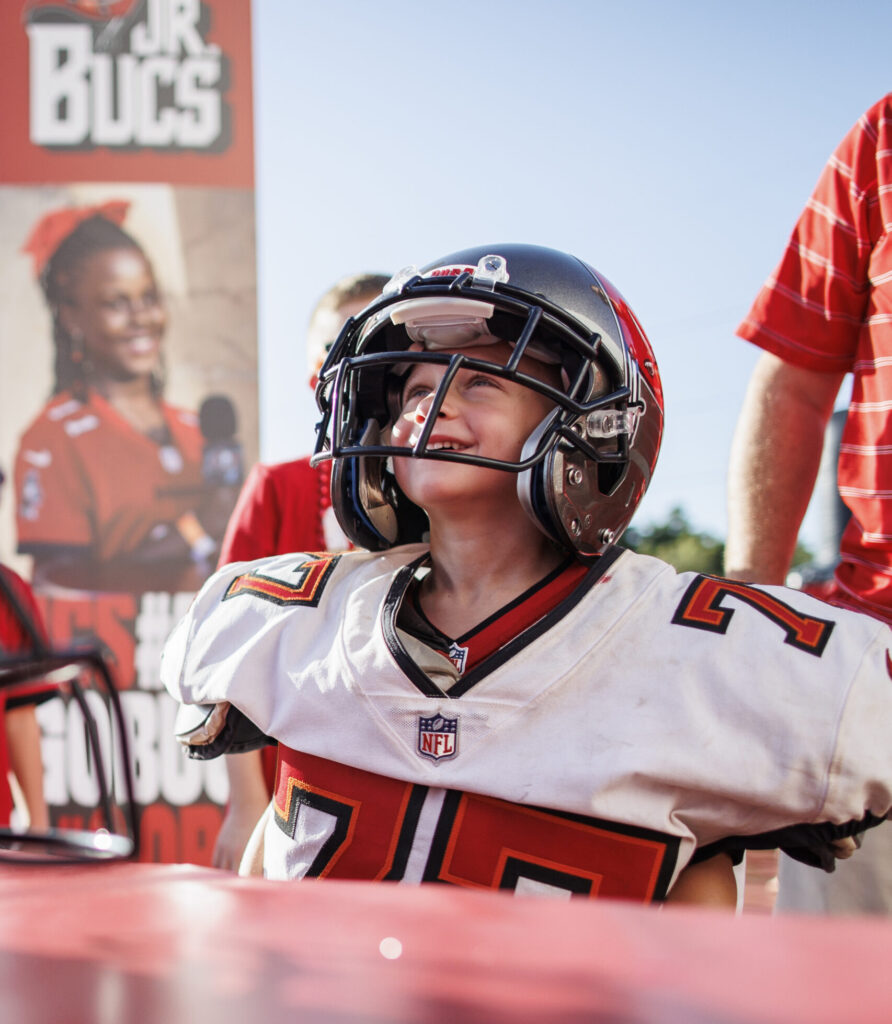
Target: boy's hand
{"x":844,"y":848}
{"x":209,"y":730}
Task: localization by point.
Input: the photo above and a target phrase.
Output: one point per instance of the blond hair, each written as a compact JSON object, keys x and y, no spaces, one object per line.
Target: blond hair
{"x":325,"y":324}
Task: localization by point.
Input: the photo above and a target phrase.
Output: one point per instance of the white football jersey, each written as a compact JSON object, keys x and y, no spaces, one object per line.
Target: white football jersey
{"x":648,"y":715}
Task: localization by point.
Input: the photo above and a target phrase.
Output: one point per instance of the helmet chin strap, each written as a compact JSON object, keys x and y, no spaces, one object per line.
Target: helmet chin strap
{"x":358,"y":499}
{"x":370,"y":509}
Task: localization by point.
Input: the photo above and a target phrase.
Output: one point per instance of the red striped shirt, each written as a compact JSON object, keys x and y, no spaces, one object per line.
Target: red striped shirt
{"x":828,"y":307}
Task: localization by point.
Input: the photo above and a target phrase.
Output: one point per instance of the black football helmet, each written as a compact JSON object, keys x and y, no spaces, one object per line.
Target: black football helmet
{"x":585,"y":467}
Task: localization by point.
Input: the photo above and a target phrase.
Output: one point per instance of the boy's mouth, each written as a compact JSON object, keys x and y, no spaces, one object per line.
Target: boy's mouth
{"x":446,"y":446}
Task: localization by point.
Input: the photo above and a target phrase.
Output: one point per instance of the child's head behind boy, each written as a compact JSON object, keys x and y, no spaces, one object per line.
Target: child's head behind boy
{"x":507,"y":370}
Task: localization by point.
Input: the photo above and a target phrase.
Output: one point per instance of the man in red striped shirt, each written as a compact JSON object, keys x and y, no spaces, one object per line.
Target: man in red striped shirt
{"x":825,"y":312}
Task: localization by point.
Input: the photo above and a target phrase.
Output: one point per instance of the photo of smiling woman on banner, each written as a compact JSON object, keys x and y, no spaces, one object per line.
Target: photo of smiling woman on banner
{"x":112,"y":482}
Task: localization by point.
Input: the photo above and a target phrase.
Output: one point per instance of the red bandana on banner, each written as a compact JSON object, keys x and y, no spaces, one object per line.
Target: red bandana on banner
{"x":53,"y":228}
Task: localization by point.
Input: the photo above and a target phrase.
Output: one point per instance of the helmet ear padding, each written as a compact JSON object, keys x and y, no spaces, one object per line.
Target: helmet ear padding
{"x":531,"y":484}
{"x":356,"y":522}
{"x":369,"y":506}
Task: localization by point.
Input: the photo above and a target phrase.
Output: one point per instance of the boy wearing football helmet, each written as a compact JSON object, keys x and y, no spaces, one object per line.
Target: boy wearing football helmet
{"x":494,"y":694}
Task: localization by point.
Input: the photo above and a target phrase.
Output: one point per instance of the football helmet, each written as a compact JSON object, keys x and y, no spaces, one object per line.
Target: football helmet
{"x":584,"y":468}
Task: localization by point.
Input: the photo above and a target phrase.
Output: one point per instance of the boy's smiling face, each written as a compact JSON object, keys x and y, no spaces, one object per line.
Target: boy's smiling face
{"x":481,"y":415}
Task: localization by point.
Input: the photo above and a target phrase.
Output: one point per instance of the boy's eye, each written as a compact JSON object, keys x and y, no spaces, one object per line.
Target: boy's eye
{"x":482,"y":380}
{"x":415,"y":392}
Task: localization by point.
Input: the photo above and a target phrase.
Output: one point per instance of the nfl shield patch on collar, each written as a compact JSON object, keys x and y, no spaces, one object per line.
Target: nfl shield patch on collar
{"x":438,"y":737}
{"x":458,"y":656}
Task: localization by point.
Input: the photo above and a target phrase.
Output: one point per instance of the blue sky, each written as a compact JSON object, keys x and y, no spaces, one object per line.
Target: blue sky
{"x":671,"y":145}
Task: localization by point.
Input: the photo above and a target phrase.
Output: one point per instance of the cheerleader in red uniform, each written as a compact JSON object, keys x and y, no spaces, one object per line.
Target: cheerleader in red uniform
{"x":108,"y":474}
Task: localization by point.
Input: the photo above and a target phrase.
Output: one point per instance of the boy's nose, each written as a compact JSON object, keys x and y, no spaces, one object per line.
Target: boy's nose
{"x":422,"y":410}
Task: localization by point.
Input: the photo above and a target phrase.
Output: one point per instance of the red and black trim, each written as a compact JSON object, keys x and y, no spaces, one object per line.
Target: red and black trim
{"x":544,"y":613}
{"x":375,"y":817}
{"x":400,"y":586}
{"x":312,"y":576}
{"x":489,"y":636}
{"x":485,"y":843}
{"x":702,"y":608}
{"x":479,"y":842}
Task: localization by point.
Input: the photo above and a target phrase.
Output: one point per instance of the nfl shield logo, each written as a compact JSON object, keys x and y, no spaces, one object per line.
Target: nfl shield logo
{"x":458,"y":656}
{"x":438,"y":737}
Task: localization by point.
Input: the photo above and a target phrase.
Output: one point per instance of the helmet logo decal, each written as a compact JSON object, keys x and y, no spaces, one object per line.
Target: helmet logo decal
{"x":438,"y":737}
{"x":450,"y":271}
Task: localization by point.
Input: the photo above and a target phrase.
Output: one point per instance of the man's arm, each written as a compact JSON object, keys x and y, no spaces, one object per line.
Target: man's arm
{"x":774,"y":461}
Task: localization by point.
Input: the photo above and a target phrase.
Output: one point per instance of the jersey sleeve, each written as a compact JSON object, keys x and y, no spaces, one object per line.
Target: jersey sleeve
{"x":204,"y":658}
{"x":859,"y":779}
{"x":857,"y":784}
{"x":810,"y":311}
{"x":250,"y":628}
{"x":178,"y":657}
{"x":53,"y":500}
{"x":252,"y":530}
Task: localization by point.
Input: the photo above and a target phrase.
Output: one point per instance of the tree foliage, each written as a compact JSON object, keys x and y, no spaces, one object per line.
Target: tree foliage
{"x":677,"y":543}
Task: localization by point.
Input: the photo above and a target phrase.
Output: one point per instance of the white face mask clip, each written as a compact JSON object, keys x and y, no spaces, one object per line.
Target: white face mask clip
{"x":606,"y":423}
{"x":399,"y":280}
{"x":491,"y":270}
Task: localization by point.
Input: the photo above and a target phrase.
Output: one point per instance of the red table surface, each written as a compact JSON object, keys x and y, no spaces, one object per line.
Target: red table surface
{"x":146,"y":943}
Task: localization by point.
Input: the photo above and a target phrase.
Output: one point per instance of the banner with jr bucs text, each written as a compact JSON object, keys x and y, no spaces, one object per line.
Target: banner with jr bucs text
{"x":128,"y":355}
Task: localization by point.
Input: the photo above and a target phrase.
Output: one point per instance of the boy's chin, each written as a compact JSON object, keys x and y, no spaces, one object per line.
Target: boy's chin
{"x":433,"y":484}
